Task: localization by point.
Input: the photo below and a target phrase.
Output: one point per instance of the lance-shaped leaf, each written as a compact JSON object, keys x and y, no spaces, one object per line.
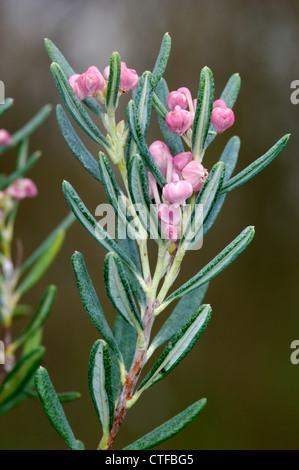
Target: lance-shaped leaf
{"x":204,"y":203}
{"x":21,"y":171}
{"x":75,"y":107}
{"x":202,"y":118}
{"x":168,"y":429}
{"x":42,"y":263}
{"x":178,"y":347}
{"x":173,"y":141}
{"x":91,"y":302}
{"x":143,"y":101}
{"x":138,"y":136}
{"x":119,"y":291}
{"x":56,"y":56}
{"x":257,"y":166}
{"x":113,"y":82}
{"x":229,"y":95}
{"x":48,"y":242}
{"x":38,"y":319}
{"x":8,"y":102}
{"x":76,"y":145}
{"x":29,"y":128}
{"x":187,"y":306}
{"x":99,"y":380}
{"x":138,"y":186}
{"x":214,"y":267}
{"x":229,"y":157}
{"x":20,"y":375}
{"x":90,"y":224}
{"x":53,"y":408}
{"x":22,"y":154}
{"x":162,"y":60}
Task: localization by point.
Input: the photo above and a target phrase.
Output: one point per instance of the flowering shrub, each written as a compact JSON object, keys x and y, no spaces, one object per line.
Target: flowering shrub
{"x":167,"y":195}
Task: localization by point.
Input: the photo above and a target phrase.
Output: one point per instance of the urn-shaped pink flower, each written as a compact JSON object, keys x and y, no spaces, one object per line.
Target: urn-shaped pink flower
{"x":5,"y":137}
{"x":91,"y":82}
{"x":222,"y":119}
{"x":175,"y":98}
{"x":22,"y":188}
{"x":128,"y":78}
{"x":196,"y":174}
{"x":182,"y":159}
{"x":169,"y":213}
{"x":163,"y":158}
{"x":177,"y":191}
{"x":73,"y":81}
{"x":171,"y":233}
{"x":179,"y":120}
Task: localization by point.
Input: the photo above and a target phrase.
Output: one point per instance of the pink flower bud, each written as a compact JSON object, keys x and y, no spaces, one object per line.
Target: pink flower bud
{"x":188,"y":95}
{"x":195,"y":174}
{"x":170,"y":232}
{"x":5,"y":137}
{"x":163,"y":158}
{"x":178,"y":191}
{"x":179,"y":120}
{"x":177,"y":99}
{"x":91,"y":82}
{"x":222,"y":119}
{"x":182,"y":159}
{"x":219,"y":104}
{"x":22,"y":188}
{"x":169,"y":213}
{"x":128,"y":78}
{"x":73,"y":82}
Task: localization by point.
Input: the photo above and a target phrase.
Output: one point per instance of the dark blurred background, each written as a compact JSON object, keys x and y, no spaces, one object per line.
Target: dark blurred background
{"x":242,"y":362}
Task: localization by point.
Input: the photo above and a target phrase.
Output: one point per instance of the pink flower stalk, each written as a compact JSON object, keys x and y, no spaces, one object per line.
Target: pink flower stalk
{"x":163,"y":158}
{"x":5,"y":137}
{"x":182,"y":159}
{"x":91,"y":82}
{"x":176,"y":98}
{"x":195,"y":174}
{"x":73,"y":81}
{"x":152,"y":186}
{"x":178,"y":191}
{"x":169,"y":213}
{"x":222,"y":119}
{"x":128,"y":78}
{"x":170,"y":232}
{"x":22,"y":188}
{"x":179,"y":120}
{"x":219,"y":104}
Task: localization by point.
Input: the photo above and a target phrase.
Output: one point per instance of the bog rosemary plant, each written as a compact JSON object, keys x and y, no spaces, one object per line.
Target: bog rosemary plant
{"x":21,"y":356}
{"x":166,"y":195}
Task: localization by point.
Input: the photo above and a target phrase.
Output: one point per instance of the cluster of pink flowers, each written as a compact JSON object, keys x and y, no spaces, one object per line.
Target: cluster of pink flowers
{"x":179,"y":119}
{"x":5,"y":137}
{"x":21,"y":188}
{"x":184,"y":176}
{"x":92,"y":82}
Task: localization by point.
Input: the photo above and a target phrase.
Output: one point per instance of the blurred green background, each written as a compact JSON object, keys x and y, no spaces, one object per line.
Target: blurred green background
{"x":242,"y":362}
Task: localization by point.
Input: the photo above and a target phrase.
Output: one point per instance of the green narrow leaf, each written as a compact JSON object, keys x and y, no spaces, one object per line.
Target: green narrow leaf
{"x":229,"y":95}
{"x":229,"y":157}
{"x":56,"y":56}
{"x":218,"y":264}
{"x":62,"y":397}
{"x":178,"y":347}
{"x":100,"y":388}
{"x":34,"y":341}
{"x":29,"y":128}
{"x":21,"y":171}
{"x":112,"y":189}
{"x":134,"y":125}
{"x":8,"y":102}
{"x":76,"y":145}
{"x":113,"y":82}
{"x":168,"y":429}
{"x":95,"y":229}
{"x":53,"y":408}
{"x":257,"y":166}
{"x":22,"y":154}
{"x":138,"y":186}
{"x":186,"y":307}
{"x":119,"y":291}
{"x":143,"y":101}
{"x":47,"y":243}
{"x":91,"y":302}
{"x":20,"y":375}
{"x":75,"y":107}
{"x":203,"y":113}
{"x":173,"y":141}
{"x":162,"y":60}
{"x":38,"y":319}
{"x":42,"y":264}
